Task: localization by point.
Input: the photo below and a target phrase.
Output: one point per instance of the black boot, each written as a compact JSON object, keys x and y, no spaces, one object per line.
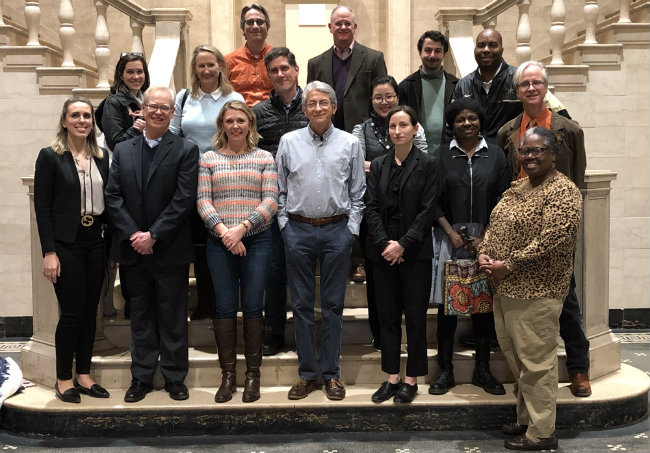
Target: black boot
{"x":254,"y":337}
{"x":445,"y":379}
{"x":482,"y":376}
{"x":225,"y":334}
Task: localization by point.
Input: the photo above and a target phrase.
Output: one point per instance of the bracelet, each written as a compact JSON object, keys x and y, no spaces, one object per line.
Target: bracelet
{"x":245,"y":226}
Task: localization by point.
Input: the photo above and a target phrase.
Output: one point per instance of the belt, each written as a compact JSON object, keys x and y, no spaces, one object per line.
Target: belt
{"x":318,"y":222}
{"x":89,"y":220}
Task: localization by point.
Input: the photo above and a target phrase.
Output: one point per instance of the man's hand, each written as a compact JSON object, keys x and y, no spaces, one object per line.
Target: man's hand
{"x":393,"y":253}
{"x":142,"y":242}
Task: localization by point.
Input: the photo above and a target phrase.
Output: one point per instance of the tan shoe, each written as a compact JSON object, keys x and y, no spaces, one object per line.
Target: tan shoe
{"x":334,"y":389}
{"x":302,"y":388}
{"x":580,"y":386}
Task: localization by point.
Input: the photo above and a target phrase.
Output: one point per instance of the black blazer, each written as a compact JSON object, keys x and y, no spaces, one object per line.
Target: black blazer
{"x":366,"y":65}
{"x":418,"y":199}
{"x":57,"y":196}
{"x":171,"y":195}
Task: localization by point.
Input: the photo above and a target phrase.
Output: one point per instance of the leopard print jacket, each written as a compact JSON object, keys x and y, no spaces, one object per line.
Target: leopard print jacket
{"x":533,"y":231}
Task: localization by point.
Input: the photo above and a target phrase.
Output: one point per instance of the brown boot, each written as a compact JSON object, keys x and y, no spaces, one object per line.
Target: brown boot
{"x":225,"y":334}
{"x":254,"y":337}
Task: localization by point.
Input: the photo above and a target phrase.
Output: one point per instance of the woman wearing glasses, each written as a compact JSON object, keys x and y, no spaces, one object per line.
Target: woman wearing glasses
{"x":237,"y":199}
{"x":375,"y":142}
{"x":528,"y":252}
{"x":195,"y":118}
{"x":121,"y":117}
{"x":473,"y":175}
{"x":69,"y":182}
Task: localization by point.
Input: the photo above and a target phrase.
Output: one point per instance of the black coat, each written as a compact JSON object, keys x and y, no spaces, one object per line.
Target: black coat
{"x":171,"y":195}
{"x":418,"y":197}
{"x":117,"y":124}
{"x":57,"y":196}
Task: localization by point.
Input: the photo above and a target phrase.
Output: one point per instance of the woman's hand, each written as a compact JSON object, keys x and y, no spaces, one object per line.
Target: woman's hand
{"x":51,"y":267}
{"x":496,"y":269}
{"x":366,"y":165}
{"x":233,"y":235}
{"x":139,"y":123}
{"x":456,"y":239}
{"x":473,"y":244}
{"x":238,"y":249}
{"x":393,"y":253}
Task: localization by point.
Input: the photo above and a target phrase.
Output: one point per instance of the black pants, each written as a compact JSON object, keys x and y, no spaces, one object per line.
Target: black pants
{"x":373,"y":318}
{"x":573,"y":334}
{"x":158,"y":319}
{"x":78,"y":290}
{"x":482,"y":323}
{"x":403,"y":288}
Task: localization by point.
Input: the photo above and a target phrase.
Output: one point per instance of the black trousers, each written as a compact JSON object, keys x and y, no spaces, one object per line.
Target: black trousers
{"x":573,"y":334}
{"x":482,"y":323}
{"x":158,"y":319}
{"x":403,"y":288}
{"x":78,"y":290}
{"x":373,"y":318}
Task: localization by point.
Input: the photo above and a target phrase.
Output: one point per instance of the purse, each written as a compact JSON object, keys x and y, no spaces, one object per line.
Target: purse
{"x":467,"y":288}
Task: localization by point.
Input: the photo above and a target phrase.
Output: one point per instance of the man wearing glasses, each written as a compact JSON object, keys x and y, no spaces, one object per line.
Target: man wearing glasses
{"x":531,"y":85}
{"x":349,"y":67}
{"x":320,"y":204}
{"x":429,"y":89}
{"x":246,"y":70}
{"x":150,"y":193}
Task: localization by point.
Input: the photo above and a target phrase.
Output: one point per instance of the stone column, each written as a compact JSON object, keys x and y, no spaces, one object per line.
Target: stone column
{"x":398,"y":53}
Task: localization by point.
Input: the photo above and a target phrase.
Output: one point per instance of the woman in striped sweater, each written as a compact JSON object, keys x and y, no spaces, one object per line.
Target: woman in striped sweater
{"x":237,"y":199}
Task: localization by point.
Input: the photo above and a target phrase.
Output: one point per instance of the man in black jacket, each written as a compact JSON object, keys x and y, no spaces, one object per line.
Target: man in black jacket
{"x":280,"y":113}
{"x":429,"y":89}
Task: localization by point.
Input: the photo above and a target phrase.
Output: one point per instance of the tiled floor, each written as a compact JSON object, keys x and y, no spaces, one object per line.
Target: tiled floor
{"x":629,"y":439}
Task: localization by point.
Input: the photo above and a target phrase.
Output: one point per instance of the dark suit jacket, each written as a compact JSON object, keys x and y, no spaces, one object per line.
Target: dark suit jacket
{"x":366,"y":65}
{"x":171,"y":194}
{"x":410,"y":93}
{"x":57,"y":196}
{"x":418,"y":199}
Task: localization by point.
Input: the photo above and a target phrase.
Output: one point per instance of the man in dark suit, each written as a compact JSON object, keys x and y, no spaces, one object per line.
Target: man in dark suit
{"x":349,"y":67}
{"x":150,"y":193}
{"x":429,"y":89}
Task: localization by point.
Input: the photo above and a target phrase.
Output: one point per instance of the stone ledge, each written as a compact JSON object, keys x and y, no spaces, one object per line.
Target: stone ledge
{"x":61,"y":80}
{"x":568,"y":75}
{"x":600,"y":54}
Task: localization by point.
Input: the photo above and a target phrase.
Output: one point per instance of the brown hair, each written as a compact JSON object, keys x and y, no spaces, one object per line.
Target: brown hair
{"x":60,"y":142}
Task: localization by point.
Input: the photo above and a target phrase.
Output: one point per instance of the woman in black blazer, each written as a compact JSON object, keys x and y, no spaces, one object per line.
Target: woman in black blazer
{"x":69,"y":186}
{"x":401,"y":197}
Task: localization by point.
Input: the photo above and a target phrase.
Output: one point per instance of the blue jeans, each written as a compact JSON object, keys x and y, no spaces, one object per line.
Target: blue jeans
{"x":304,"y":245}
{"x":230,"y":272}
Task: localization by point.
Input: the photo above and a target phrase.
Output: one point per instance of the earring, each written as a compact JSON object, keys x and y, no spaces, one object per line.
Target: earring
{"x":553,"y":166}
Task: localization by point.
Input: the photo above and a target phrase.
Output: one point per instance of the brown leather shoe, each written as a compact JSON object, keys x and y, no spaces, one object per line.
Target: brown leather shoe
{"x":334,"y":389}
{"x":514,"y":429}
{"x":359,"y":274}
{"x":525,"y":443}
{"x":580,"y":386}
{"x":302,"y":388}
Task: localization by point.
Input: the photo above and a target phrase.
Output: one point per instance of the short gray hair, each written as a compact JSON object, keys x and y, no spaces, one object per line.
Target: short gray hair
{"x":522,"y":67}
{"x":317,"y":85}
{"x":145,"y":98}
{"x":548,"y":137}
{"x":354,"y":16}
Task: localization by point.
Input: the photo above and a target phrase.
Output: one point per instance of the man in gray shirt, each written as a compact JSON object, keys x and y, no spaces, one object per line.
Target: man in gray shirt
{"x":320,"y":205}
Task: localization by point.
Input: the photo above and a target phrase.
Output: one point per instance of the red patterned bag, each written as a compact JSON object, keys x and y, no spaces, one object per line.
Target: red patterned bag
{"x":467,"y":288}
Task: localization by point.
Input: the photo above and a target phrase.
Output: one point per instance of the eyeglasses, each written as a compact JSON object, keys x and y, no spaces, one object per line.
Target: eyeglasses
{"x":153,"y":107}
{"x":341,"y":24}
{"x":388,"y":98}
{"x":535,"y":83}
{"x":323,"y":104}
{"x":258,"y":22}
{"x":535,"y":151}
{"x":131,"y":54}
{"x":462,"y":119}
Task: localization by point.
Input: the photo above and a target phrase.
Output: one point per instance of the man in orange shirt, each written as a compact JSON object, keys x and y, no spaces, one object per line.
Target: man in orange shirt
{"x":246,"y":69}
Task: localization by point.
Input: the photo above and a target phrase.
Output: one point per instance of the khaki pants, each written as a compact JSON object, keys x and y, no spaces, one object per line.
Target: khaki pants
{"x":527,"y":331}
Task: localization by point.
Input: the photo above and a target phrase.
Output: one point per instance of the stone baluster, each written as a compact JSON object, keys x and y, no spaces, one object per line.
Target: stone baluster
{"x":102,"y":38}
{"x":66,"y":31}
{"x":490,"y":23}
{"x":33,"y":21}
{"x":558,"y":15}
{"x":523,"y":32}
{"x":591,"y":17}
{"x":624,"y":15}
{"x":2,"y":7}
{"x":137,"y":45}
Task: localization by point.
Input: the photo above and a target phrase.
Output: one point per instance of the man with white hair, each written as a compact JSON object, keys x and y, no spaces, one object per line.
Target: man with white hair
{"x":150,"y":193}
{"x":320,"y":205}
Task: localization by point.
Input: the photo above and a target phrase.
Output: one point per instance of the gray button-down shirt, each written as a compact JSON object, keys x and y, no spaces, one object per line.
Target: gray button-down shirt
{"x":320,"y":177}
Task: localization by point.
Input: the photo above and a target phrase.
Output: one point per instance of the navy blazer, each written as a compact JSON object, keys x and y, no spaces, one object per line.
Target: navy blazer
{"x":171,"y":195}
{"x":418,"y":200}
{"x":57,"y":196}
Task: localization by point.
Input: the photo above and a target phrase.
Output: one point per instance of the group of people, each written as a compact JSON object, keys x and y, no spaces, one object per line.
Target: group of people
{"x":256,"y":181}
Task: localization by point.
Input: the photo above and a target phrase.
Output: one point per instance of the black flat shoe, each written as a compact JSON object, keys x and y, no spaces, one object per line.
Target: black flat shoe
{"x":386,"y":391}
{"x":405,"y":393}
{"x":95,"y":390}
{"x":69,"y":396}
{"x":137,"y":391}
{"x":272,"y":344}
{"x":177,"y":391}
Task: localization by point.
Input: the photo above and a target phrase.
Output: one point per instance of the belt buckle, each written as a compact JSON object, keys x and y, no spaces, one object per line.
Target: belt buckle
{"x":87,"y":220}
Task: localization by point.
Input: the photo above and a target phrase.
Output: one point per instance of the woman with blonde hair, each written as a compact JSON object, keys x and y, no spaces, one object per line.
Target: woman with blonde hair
{"x":195,"y":116}
{"x":237,"y":199}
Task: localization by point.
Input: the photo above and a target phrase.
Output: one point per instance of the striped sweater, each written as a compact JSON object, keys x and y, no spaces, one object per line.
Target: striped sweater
{"x":235,"y":188}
